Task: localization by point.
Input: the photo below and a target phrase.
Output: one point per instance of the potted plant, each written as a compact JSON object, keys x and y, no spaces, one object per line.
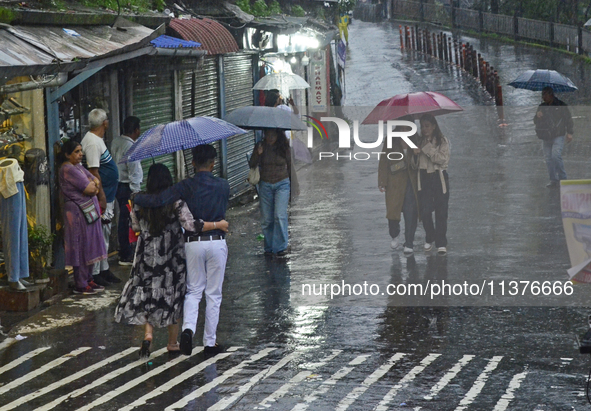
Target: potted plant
{"x":40,"y":245}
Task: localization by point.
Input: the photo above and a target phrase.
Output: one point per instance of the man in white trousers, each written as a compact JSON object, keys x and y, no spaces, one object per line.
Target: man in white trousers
{"x":207,"y":198}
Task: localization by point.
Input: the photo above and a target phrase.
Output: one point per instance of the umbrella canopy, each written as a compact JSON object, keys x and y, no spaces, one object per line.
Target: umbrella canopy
{"x":413,"y":105}
{"x":536,"y":80}
{"x":180,"y":135}
{"x":261,"y":117}
{"x":281,"y":81}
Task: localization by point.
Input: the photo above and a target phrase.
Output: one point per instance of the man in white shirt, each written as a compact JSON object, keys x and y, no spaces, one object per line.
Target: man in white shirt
{"x":103,"y":167}
{"x":130,"y":180}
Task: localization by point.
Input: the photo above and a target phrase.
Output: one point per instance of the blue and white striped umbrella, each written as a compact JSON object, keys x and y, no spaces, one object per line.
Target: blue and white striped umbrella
{"x":180,"y":135}
{"x":536,"y":80}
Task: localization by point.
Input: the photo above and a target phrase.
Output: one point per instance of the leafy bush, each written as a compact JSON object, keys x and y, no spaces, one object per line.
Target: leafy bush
{"x":260,"y":9}
{"x":274,"y":7}
{"x":244,"y":6}
{"x":297,"y":11}
{"x":40,"y":246}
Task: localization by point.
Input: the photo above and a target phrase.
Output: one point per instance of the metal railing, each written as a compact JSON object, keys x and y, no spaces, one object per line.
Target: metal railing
{"x":572,"y":38}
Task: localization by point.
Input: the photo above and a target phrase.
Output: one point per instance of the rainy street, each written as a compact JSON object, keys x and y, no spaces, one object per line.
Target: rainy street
{"x":288,"y":350}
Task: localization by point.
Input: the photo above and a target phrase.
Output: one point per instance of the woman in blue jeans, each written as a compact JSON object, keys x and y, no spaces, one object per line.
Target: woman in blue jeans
{"x":273,"y":157}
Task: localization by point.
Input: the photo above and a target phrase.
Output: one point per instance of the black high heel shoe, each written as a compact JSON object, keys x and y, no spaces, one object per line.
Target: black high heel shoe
{"x":145,"y":350}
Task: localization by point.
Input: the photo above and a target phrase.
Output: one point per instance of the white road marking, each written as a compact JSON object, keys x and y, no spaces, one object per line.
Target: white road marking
{"x":412,"y":374}
{"x":479,"y":383}
{"x":284,"y":389}
{"x":514,"y":385}
{"x":226,"y":402}
{"x":22,"y":359}
{"x":100,"y":381}
{"x":326,"y":385}
{"x":218,"y":380}
{"x":450,"y":375}
{"x":67,"y":380}
{"x":368,"y":382}
{"x":176,"y":380}
{"x":130,"y":384}
{"x":33,"y":374}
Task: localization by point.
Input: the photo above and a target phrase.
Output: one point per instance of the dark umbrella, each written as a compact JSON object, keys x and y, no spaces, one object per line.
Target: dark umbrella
{"x":180,"y":135}
{"x":536,"y":80}
{"x":262,"y":117}
{"x":412,"y":106}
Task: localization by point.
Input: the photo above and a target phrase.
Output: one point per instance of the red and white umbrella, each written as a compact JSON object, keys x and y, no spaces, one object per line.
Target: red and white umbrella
{"x":413,"y":106}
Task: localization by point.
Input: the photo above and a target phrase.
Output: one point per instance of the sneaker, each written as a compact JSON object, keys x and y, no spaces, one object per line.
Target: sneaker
{"x":86,"y":291}
{"x":428,"y":246}
{"x":210,"y":351}
{"x":394,"y":244}
{"x":100,"y":280}
{"x":408,"y":250}
{"x":186,"y":344}
{"x":282,"y":253}
{"x":442,"y":251}
{"x":96,"y":287}
{"x":126,"y":261}
{"x":26,"y":283}
{"x":553,"y":184}
{"x":109,"y":276}
{"x":16,"y":285}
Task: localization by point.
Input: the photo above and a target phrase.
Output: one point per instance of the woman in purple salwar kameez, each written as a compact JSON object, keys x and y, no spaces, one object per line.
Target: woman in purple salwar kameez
{"x":83,"y":242}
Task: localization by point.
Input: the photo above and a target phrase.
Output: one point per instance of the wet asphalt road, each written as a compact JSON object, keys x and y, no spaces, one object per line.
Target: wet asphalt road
{"x":360,"y":352}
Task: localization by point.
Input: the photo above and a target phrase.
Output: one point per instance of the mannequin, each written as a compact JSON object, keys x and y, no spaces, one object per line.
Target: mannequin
{"x":13,"y":217}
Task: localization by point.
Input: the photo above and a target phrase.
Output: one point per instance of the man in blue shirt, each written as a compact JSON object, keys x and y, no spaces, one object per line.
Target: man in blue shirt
{"x":207,"y":198}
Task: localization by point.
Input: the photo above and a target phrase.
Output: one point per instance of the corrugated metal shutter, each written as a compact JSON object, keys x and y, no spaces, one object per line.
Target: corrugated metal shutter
{"x":238,"y":88}
{"x":201,"y":98}
{"x":153,"y":103}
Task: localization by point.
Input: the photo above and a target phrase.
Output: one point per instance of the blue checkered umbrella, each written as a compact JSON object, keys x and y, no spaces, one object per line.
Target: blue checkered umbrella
{"x":536,"y":80}
{"x":180,"y":135}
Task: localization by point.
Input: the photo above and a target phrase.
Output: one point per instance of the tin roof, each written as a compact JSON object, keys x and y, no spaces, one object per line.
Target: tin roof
{"x":214,"y":37}
{"x":26,"y":50}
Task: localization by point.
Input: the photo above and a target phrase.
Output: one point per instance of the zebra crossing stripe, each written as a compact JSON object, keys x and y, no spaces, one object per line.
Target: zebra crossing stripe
{"x":479,"y":383}
{"x":514,"y":385}
{"x":66,"y":380}
{"x":105,"y":378}
{"x":412,"y":374}
{"x":450,"y":375}
{"x":175,"y":381}
{"x":226,"y":402}
{"x":284,"y":389}
{"x":326,"y":385}
{"x":130,"y":384}
{"x":218,"y":380}
{"x":368,"y":382}
{"x":33,"y":374}
{"x":22,"y":359}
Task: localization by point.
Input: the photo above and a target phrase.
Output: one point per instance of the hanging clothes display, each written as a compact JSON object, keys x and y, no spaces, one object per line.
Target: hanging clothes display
{"x":13,"y":217}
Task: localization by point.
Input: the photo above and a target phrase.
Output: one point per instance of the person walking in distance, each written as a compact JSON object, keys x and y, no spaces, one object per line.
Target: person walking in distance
{"x":130,"y":180}
{"x":207,"y":198}
{"x":100,"y":163}
{"x":554,"y":125}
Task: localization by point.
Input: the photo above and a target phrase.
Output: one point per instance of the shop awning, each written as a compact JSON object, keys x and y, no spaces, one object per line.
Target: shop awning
{"x":214,"y":37}
{"x":34,"y":50}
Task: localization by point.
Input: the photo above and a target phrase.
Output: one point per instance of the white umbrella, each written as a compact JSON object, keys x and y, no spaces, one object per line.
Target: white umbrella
{"x":281,"y":81}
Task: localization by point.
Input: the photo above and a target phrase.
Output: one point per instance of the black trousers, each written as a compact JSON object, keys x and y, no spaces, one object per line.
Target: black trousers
{"x":433,"y":200}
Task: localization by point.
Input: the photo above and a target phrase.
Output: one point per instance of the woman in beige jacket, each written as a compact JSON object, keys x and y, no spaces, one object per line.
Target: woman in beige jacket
{"x":398,"y":179}
{"x":433,"y":183}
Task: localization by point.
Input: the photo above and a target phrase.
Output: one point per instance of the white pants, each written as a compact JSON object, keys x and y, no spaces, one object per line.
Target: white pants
{"x":206,"y":264}
{"x":103,"y":265}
